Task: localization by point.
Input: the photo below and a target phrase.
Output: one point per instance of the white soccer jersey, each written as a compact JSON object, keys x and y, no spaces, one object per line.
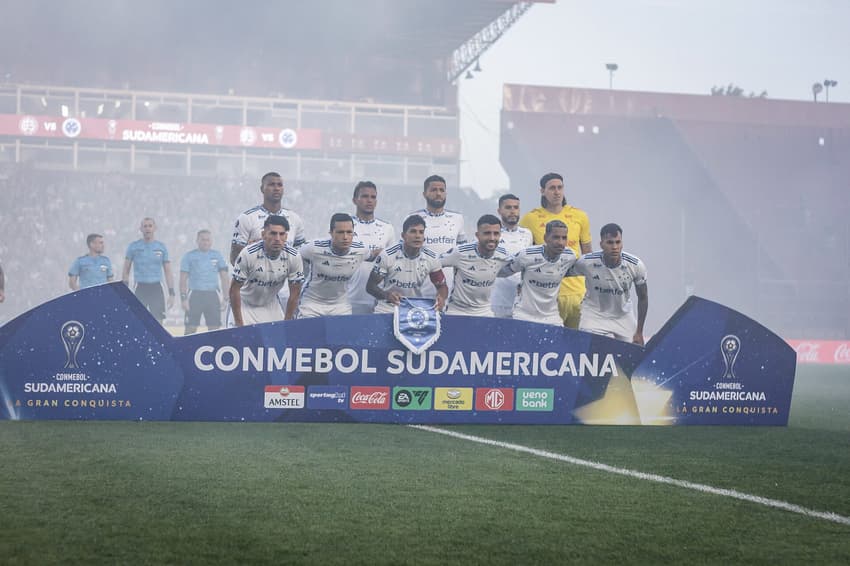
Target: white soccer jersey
{"x":474,"y":276}
{"x":541,"y":279}
{"x":608,"y":305}
{"x":505,"y":289}
{"x":249,"y":226}
{"x":405,"y":275}
{"x":262,"y":277}
{"x":443,"y":232}
{"x":375,"y":234}
{"x":325,"y":291}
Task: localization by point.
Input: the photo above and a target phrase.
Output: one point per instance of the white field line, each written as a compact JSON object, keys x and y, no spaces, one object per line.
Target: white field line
{"x":767,"y":502}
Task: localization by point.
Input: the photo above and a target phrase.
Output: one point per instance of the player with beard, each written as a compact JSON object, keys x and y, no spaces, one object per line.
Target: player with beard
{"x":476,"y":266}
{"x":514,"y":239}
{"x":444,"y":229}
{"x":259,"y":272}
{"x":542,"y":268}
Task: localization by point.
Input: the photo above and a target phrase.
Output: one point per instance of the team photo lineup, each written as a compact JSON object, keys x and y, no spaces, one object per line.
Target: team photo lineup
{"x":366,"y":282}
{"x":530,"y":267}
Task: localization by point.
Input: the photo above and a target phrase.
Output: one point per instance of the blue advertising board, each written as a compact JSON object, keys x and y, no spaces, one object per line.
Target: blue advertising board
{"x":98,"y":354}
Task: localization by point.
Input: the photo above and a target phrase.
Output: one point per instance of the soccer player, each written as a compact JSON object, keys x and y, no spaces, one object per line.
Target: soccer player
{"x":444,"y":229}
{"x":402,"y":269}
{"x":249,"y":224}
{"x":542,"y":268}
{"x":610,"y":274}
{"x":331,"y":264}
{"x":475,"y":269}
{"x":261,"y":269}
{"x":91,"y":269}
{"x":514,"y":239}
{"x":376,"y":235}
{"x":200,"y":272}
{"x":149,"y":260}
{"x":553,"y":206}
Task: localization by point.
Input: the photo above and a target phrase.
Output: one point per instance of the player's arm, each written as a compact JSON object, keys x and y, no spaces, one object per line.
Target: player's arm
{"x":438,"y":278}
{"x":236,"y":301}
{"x":234,"y":252}
{"x":292,"y":301}
{"x":184,"y":290}
{"x":224,"y":282}
{"x":74,"y":276}
{"x":125,"y":271}
{"x":373,"y":287}
{"x":109,"y":275}
{"x":643,"y":306}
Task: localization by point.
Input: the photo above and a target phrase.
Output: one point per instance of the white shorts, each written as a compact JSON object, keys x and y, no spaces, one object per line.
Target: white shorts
{"x":259,"y":314}
{"x":309,"y":309}
{"x":554,"y":319}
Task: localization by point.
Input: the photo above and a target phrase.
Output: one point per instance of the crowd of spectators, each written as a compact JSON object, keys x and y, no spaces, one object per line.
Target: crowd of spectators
{"x":45,"y":217}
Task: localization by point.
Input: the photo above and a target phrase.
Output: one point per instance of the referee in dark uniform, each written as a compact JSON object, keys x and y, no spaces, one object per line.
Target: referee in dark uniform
{"x":201,"y":270}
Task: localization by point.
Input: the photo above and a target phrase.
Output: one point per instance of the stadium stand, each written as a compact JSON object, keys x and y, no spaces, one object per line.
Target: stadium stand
{"x":736,"y":200}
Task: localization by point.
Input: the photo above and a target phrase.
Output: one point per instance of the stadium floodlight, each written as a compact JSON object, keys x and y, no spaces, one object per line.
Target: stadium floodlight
{"x":611,"y":68}
{"x":828,"y":83}
{"x":816,"y":90}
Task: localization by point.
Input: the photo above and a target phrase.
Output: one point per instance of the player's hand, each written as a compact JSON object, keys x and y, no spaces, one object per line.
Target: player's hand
{"x":638,"y":339}
{"x":394,"y":297}
{"x":439,"y":303}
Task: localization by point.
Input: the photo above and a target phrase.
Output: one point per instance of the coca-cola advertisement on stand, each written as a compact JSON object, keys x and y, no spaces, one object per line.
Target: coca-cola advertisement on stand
{"x":98,"y":354}
{"x":821,"y":351}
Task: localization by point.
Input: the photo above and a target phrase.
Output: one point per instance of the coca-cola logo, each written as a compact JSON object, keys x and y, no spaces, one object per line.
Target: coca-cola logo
{"x":842,"y":353}
{"x":372,"y":398}
{"x":808,"y":352}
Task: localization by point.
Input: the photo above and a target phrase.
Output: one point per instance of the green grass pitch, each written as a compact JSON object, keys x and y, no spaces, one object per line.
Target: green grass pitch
{"x":210,"y":493}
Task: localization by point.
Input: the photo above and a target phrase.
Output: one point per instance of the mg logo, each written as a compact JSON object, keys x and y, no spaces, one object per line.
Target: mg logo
{"x":494,"y":399}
